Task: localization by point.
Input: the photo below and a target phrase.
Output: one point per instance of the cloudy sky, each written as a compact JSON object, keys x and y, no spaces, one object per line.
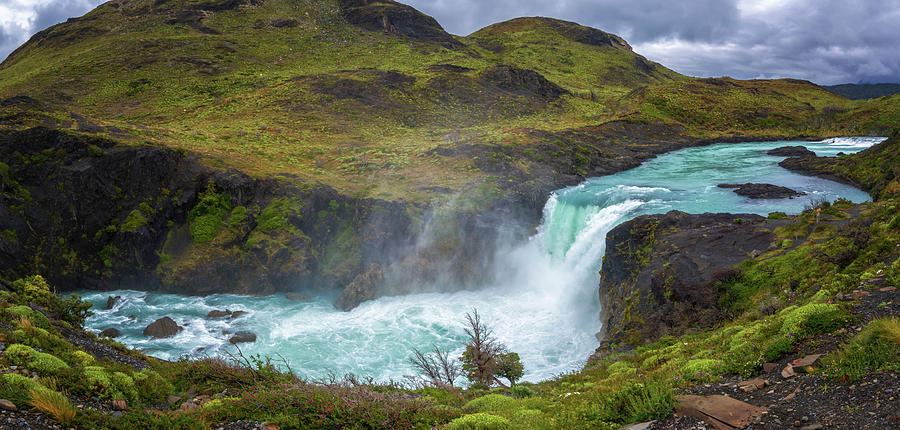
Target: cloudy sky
{"x":825,"y":41}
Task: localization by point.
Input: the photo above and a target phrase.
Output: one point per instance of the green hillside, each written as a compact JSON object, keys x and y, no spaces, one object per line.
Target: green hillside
{"x":352,"y":93}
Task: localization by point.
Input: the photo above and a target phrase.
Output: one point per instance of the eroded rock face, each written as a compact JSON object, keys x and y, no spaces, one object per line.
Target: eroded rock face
{"x":659,"y":271}
{"x":763,"y":191}
{"x":163,"y":328}
{"x":791,"y":151}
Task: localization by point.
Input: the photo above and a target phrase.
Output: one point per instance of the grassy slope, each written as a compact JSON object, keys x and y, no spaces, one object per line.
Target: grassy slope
{"x":310,"y":97}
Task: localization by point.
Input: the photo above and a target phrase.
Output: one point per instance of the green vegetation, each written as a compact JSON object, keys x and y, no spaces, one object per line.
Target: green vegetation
{"x":207,"y":216}
{"x":875,"y":349}
{"x":363,"y":111}
{"x":316,"y":99}
{"x":134,"y":221}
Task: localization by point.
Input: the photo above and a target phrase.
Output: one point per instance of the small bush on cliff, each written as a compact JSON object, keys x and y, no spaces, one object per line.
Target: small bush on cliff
{"x":133,"y":222}
{"x":206,"y":217}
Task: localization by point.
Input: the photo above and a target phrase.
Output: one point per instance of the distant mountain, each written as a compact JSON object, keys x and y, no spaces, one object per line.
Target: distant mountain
{"x":863,"y":91}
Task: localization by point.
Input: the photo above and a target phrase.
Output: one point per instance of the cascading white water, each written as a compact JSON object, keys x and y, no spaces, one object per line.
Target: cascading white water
{"x":544,"y":305}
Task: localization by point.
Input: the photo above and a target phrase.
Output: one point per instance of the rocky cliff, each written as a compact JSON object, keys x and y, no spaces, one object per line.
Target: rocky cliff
{"x":659,"y":272}
{"x":88,"y":213}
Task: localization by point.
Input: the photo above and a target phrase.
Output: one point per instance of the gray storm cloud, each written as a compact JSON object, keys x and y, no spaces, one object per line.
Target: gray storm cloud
{"x":825,"y":41}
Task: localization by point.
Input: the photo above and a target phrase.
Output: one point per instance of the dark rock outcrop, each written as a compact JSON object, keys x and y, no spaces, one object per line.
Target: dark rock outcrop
{"x":215,"y":314}
{"x":111,"y":333}
{"x":110,"y":213}
{"x":763,"y":191}
{"x":514,"y":79}
{"x":364,"y":287}
{"x":659,"y":271}
{"x":396,"y":18}
{"x":791,"y":151}
{"x":111,"y":301}
{"x":243,"y":337}
{"x":163,"y":328}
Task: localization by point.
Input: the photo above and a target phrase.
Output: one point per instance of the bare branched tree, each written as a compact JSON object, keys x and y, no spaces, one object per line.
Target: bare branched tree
{"x":436,"y":366}
{"x":479,"y":359}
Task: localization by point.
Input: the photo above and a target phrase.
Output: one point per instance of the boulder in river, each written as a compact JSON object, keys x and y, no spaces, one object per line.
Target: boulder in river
{"x":763,"y":191}
{"x":364,"y":287}
{"x":791,"y":151}
{"x":243,"y":337}
{"x":111,"y":301}
{"x":111,"y":332}
{"x":163,"y":328}
{"x":218,"y":314}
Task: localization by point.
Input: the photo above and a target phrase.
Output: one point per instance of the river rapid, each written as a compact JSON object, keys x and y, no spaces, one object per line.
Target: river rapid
{"x":545,"y":306}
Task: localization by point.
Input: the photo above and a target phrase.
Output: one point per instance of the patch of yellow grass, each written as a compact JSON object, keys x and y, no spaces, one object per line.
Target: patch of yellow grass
{"x":53,"y":403}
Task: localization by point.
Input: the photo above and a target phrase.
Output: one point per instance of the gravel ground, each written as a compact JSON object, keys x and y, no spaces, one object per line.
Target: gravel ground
{"x":811,"y":401}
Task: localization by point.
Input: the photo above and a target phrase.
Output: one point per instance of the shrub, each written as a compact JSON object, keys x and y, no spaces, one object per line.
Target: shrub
{"x":813,"y":318}
{"x":479,"y":421}
{"x":26,"y":356}
{"x":124,"y":386}
{"x":778,"y":348}
{"x":150,"y":386}
{"x":621,"y":368}
{"x":509,"y":367}
{"x":522,"y":392}
{"x":83,"y":358}
{"x":98,"y":380}
{"x":490,"y":403}
{"x":703,"y":365}
{"x":206,"y":216}
{"x":778,"y":215}
{"x":35,"y":289}
{"x":636,"y":402}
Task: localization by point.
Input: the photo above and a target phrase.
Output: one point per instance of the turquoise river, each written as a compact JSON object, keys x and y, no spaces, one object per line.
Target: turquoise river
{"x":545,"y":307}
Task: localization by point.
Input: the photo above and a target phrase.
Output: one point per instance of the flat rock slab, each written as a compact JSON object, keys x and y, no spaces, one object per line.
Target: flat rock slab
{"x":791,"y":151}
{"x":639,"y":426}
{"x":762,"y":191}
{"x":721,"y":412}
{"x":753,"y":384}
{"x":803,"y":364}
